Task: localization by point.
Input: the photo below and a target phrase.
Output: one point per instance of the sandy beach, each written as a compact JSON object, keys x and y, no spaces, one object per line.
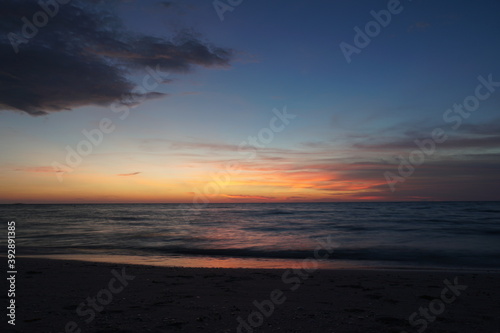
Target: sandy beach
{"x":72,"y":296}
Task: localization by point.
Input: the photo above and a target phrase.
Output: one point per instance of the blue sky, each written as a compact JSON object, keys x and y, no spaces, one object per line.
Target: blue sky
{"x":352,"y":119}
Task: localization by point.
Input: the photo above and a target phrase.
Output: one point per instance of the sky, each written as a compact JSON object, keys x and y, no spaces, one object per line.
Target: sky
{"x":249,"y":101}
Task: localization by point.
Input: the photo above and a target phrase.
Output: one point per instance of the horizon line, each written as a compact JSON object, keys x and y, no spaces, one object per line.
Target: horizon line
{"x":220,"y":203}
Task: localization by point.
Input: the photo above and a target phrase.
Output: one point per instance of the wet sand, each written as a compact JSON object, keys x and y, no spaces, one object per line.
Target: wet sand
{"x":72,"y":296}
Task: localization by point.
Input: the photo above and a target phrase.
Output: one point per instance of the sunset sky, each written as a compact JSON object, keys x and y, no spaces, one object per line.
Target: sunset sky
{"x":262,"y":106}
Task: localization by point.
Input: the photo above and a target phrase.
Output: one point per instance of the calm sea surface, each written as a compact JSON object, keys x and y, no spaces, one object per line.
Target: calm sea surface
{"x":429,"y":234}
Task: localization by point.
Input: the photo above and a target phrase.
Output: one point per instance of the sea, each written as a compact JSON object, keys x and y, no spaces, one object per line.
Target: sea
{"x":400,"y":235}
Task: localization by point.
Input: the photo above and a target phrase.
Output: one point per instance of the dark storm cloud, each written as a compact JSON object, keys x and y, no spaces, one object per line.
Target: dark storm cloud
{"x":83,"y":55}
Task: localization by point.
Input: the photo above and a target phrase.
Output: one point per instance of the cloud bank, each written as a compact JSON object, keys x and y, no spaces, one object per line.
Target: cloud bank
{"x":83,"y":55}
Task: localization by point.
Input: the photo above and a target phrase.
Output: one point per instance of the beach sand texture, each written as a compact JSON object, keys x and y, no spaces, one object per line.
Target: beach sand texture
{"x":57,"y":296}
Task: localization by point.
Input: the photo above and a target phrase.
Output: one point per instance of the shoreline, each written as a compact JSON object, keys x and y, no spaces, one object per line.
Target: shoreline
{"x":181,"y":261}
{"x":168,"y":299}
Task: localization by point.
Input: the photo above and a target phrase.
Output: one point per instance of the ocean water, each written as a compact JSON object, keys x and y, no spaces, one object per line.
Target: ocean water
{"x":399,"y":234}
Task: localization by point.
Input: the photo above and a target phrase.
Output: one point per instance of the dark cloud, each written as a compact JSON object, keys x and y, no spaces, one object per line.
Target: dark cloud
{"x":84,"y":56}
{"x":456,"y":142}
{"x":490,"y":128}
{"x":167,"y":4}
{"x":468,"y":136}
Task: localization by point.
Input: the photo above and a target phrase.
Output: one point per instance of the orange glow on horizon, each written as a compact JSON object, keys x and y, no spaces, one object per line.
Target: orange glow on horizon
{"x":250,"y":183}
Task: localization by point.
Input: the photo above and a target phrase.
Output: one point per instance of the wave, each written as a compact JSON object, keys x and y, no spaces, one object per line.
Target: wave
{"x":389,"y":232}
{"x":478,"y":210}
{"x":277,"y":212}
{"x":402,"y":255}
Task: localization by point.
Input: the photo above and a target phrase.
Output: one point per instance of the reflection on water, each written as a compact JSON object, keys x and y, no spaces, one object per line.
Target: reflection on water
{"x":430,"y":234}
{"x":208,"y":262}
